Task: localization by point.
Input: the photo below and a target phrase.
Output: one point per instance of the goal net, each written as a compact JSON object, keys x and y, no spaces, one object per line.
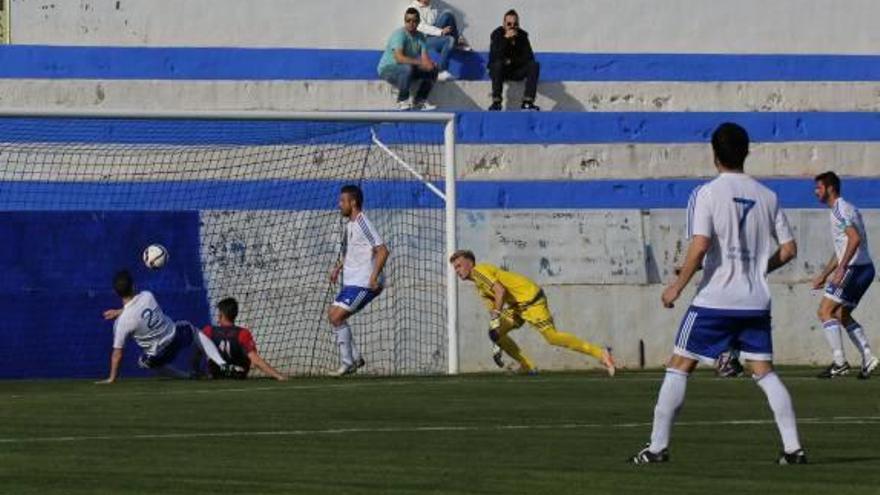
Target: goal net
{"x":246,"y":205}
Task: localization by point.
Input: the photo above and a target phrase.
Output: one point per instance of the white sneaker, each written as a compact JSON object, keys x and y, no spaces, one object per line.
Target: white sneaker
{"x":463,"y":45}
{"x":869,"y":368}
{"x":444,"y":76}
{"x":345,"y":369}
{"x":424,"y":106}
{"x":404,"y":105}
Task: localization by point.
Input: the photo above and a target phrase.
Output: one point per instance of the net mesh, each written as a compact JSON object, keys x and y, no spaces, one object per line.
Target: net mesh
{"x":268,"y":228}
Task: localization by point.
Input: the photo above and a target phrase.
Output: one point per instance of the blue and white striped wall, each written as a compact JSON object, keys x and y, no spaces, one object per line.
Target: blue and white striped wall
{"x":586,"y":197}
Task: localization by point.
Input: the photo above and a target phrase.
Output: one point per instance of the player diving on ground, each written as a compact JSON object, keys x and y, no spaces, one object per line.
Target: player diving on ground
{"x":513,"y":300}
{"x":161,"y":339}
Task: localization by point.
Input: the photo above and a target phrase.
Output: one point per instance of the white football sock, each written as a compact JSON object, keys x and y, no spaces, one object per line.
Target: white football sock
{"x":835,"y":340}
{"x":669,"y":402}
{"x":210,"y":350}
{"x":343,"y":340}
{"x":860,"y":340}
{"x":783,"y":411}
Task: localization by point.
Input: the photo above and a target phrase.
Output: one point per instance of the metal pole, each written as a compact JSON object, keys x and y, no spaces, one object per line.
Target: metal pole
{"x":451,"y":279}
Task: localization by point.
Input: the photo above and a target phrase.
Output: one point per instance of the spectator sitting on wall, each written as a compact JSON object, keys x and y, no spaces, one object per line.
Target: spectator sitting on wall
{"x":511,"y":59}
{"x":236,"y":345}
{"x":442,"y":32}
{"x":406,"y":60}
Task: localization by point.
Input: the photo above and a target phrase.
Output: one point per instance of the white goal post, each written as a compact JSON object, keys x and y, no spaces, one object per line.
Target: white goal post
{"x":447,"y":192}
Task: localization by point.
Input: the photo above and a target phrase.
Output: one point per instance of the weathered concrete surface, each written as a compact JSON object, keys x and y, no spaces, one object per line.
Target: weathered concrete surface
{"x":459,"y":95}
{"x":611,"y":26}
{"x":596,"y":301}
{"x":621,"y":316}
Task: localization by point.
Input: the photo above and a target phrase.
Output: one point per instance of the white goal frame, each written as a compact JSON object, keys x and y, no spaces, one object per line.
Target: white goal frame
{"x":449,"y":195}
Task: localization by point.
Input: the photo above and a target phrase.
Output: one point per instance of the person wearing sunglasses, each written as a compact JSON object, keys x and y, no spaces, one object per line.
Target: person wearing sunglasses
{"x":406,"y":61}
{"x":511,"y":59}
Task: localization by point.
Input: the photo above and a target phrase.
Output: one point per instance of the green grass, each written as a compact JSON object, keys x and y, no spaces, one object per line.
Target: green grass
{"x":555,"y":433}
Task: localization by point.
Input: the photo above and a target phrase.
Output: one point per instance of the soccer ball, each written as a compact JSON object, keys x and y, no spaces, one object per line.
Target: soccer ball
{"x":155,"y":256}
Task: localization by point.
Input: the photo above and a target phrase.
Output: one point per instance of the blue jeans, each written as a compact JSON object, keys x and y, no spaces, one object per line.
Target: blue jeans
{"x":444,"y":45}
{"x":446,"y":19}
{"x":403,"y":75}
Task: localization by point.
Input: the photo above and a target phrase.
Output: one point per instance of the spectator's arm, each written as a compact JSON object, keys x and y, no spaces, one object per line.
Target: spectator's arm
{"x":429,"y":30}
{"x":426,"y":61}
{"x":400,"y":58}
{"x":496,"y":45}
{"x":527,"y":47}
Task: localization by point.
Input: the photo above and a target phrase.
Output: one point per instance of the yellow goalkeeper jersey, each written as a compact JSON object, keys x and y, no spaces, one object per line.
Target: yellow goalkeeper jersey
{"x":520,"y":290}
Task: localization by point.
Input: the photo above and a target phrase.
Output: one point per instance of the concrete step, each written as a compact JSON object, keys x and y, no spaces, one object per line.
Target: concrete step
{"x":456,"y":96}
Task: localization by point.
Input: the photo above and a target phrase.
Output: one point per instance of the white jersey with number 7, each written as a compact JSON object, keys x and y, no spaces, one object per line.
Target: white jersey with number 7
{"x":743,"y":219}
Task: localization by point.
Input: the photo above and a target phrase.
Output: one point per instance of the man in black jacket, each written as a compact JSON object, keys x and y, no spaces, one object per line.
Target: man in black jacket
{"x":511,"y":59}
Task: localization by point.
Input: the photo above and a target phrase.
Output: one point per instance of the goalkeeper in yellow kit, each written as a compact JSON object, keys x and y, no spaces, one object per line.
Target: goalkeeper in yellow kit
{"x":512,"y":300}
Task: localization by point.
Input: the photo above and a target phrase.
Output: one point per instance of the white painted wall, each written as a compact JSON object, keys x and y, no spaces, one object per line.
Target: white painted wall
{"x":591,"y":277}
{"x":676,"y":26}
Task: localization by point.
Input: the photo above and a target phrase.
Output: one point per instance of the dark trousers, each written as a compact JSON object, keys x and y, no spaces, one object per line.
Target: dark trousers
{"x":530,"y":71}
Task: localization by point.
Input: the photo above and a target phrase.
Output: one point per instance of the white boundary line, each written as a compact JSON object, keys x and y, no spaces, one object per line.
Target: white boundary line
{"x":840,"y":420}
{"x":500,"y":379}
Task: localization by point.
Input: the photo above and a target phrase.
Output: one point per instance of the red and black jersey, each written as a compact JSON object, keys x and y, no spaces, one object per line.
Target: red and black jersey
{"x":234,"y":344}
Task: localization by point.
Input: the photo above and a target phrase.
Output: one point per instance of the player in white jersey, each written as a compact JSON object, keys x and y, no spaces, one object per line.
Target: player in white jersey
{"x":845,"y":278}
{"x":160,"y":338}
{"x":364,"y":259}
{"x":735,"y":225}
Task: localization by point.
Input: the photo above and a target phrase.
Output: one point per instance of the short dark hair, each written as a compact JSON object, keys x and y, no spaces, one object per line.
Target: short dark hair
{"x":463,"y":253}
{"x":229,"y":308}
{"x":412,"y":11}
{"x":730,"y":142}
{"x":123,"y":284}
{"x":355,"y":192}
{"x":511,"y":12}
{"x":829,"y":179}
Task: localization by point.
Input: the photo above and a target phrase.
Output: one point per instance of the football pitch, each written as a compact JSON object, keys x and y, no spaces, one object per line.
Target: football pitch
{"x":480,"y":434}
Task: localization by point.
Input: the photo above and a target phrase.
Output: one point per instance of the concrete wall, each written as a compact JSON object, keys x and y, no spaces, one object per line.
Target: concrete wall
{"x":614,"y":26}
{"x":604,"y":272}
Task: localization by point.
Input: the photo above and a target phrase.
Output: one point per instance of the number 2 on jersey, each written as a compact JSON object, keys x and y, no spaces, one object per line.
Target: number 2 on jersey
{"x":747,"y":205}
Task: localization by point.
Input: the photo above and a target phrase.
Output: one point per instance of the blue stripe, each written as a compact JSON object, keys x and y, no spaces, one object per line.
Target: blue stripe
{"x":366,"y":230}
{"x":321,"y":195}
{"x":473,"y":128}
{"x":218,"y":63}
{"x":692,"y":203}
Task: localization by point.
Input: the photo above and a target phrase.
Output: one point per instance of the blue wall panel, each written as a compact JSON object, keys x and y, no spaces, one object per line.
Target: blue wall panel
{"x":57,"y":268}
{"x":222,"y":63}
{"x":538,"y":128}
